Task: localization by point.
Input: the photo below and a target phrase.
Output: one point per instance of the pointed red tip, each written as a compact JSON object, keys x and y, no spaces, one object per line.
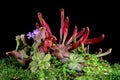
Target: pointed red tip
{"x":39,"y":14}
{"x":103,"y":36}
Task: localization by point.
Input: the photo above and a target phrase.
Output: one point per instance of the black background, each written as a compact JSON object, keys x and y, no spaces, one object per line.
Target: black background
{"x":20,"y":17}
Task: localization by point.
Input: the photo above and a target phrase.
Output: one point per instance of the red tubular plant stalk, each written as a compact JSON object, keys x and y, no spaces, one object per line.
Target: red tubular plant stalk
{"x":62,"y":48}
{"x":62,"y":24}
{"x":43,"y":23}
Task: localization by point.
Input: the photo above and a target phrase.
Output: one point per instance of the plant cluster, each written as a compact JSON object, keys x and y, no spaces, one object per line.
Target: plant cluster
{"x":65,"y":59}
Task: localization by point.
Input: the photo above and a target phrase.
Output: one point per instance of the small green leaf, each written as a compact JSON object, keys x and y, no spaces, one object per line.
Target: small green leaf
{"x":75,"y":66}
{"x":47,"y":65}
{"x":33,"y":68}
{"x":47,"y":57}
{"x":41,"y":56}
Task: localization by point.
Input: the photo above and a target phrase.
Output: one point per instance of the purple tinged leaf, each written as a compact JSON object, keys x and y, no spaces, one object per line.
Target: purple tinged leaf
{"x":18,"y":56}
{"x":60,"y":51}
{"x":41,"y":35}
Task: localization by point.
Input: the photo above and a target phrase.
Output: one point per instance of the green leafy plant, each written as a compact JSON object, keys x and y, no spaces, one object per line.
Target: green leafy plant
{"x":40,"y":61}
{"x":76,"y":62}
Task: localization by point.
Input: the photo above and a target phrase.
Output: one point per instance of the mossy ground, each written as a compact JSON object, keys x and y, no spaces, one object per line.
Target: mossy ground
{"x":10,"y":69}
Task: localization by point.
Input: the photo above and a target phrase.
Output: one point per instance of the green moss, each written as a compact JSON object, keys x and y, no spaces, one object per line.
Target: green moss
{"x":94,"y":69}
{"x":10,"y":69}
